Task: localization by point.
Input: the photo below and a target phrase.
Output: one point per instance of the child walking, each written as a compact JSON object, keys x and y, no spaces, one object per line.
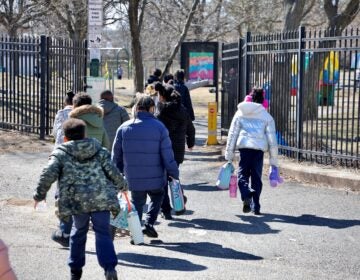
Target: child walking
{"x":88,"y":187}
{"x":252,"y":131}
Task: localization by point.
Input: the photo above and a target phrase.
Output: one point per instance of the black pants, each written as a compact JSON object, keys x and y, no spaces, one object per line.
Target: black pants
{"x":250,"y":166}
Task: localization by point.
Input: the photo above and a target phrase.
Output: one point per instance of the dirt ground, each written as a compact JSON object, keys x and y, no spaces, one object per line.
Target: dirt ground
{"x":13,"y":141}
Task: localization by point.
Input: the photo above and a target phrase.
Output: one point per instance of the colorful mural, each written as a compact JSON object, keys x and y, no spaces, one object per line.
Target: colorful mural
{"x":201,"y":66}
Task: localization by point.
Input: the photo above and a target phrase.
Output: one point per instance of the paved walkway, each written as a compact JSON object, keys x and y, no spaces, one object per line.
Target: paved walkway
{"x":305,"y":232}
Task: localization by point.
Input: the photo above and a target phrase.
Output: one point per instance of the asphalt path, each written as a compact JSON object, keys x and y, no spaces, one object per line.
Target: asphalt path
{"x":305,"y":232}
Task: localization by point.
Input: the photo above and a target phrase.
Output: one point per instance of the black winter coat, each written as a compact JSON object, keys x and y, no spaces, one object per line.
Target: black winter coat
{"x":181,"y":88}
{"x":177,"y":120}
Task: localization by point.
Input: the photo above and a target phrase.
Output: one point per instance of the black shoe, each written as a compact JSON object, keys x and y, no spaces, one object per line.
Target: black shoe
{"x":58,"y":236}
{"x":150,"y":231}
{"x":257,"y":212}
{"x":111,"y":275}
{"x":178,"y":213}
{"x":76,"y":274}
{"x":247,"y":207}
{"x":133,"y":243}
{"x":166,"y":215}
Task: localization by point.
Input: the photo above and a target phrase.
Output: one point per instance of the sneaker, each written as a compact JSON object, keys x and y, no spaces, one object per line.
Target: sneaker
{"x":166,"y":215}
{"x":247,"y":205}
{"x":58,"y":236}
{"x":76,"y":274}
{"x":111,"y":275}
{"x":150,"y":231}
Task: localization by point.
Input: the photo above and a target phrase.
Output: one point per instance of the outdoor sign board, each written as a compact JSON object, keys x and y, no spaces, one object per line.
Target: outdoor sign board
{"x":200,"y":61}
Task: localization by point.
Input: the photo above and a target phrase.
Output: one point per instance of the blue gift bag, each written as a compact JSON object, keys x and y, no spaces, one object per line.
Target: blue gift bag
{"x":177,"y":197}
{"x":223,"y":180}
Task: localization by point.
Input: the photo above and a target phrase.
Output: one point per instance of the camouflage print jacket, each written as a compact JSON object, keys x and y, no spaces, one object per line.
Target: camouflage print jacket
{"x":88,"y":180}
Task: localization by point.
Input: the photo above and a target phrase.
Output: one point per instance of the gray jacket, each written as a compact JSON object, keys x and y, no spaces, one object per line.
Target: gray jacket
{"x":252,"y":128}
{"x":114,"y":116}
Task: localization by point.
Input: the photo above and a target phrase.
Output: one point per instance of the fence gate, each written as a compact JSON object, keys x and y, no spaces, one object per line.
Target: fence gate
{"x":35,"y":73}
{"x":230,"y":95}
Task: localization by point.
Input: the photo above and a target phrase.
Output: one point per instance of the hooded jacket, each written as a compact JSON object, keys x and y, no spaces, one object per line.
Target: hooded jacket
{"x":58,"y":132}
{"x":88,"y":180}
{"x":177,"y":120}
{"x":93,"y":117}
{"x":114,"y":116}
{"x":181,"y":88}
{"x":142,"y":151}
{"x":252,"y":128}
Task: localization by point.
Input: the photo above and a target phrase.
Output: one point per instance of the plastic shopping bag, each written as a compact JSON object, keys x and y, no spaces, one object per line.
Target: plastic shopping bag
{"x":120,"y":221}
{"x":223,"y":180}
{"x":177,"y":197}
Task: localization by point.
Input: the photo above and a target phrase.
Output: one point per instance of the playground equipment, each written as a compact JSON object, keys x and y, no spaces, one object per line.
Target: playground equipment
{"x":329,"y":77}
{"x":294,"y":71}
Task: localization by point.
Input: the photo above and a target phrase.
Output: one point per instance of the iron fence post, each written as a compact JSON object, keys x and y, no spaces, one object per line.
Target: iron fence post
{"x":241,"y":94}
{"x":299,"y":96}
{"x":43,"y":60}
{"x":246,"y":63}
{"x":85,"y":64}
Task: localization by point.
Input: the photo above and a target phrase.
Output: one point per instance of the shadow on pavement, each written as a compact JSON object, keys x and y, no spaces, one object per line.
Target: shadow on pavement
{"x":157,"y":262}
{"x":205,"y":249}
{"x":202,"y":187}
{"x":305,"y":219}
{"x":207,"y":224}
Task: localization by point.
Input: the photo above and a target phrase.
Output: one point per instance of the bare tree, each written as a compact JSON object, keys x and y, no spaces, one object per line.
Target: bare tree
{"x":338,"y":19}
{"x":182,"y":37}
{"x":18,"y":16}
{"x":71,"y":14}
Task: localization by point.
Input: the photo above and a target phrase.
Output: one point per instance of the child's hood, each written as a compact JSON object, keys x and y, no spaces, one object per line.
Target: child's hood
{"x":91,"y":114}
{"x":250,"y":108}
{"x":81,"y":149}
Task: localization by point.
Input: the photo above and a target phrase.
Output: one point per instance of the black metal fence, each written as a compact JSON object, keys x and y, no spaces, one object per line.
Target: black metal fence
{"x":35,"y":73}
{"x":312,"y":81}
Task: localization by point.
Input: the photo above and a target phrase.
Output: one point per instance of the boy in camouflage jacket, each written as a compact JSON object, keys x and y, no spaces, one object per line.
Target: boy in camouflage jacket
{"x":88,"y":185}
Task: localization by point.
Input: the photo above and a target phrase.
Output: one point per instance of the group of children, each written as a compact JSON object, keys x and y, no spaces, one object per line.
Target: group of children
{"x":147,"y":150}
{"x":90,"y":169}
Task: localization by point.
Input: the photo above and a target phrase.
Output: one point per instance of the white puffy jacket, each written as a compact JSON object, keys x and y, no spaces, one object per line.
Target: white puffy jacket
{"x":252,"y":128}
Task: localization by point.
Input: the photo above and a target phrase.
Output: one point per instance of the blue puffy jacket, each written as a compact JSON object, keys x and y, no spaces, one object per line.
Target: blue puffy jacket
{"x":142,"y":151}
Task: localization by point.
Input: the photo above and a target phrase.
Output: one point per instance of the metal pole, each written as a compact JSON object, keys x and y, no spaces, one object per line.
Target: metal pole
{"x":43,"y":58}
{"x":299,"y":96}
{"x":247,"y":63}
{"x":85,"y":64}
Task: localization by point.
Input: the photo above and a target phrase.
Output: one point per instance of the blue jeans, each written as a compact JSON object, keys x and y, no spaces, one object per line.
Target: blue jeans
{"x":138,"y":198}
{"x":65,"y":226}
{"x":104,"y":245}
{"x":250,"y":166}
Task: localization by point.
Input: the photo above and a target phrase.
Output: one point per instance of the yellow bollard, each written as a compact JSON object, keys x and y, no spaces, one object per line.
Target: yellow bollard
{"x":212,"y":124}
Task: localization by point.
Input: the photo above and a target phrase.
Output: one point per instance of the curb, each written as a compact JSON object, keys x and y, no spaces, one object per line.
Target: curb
{"x":315,"y":175}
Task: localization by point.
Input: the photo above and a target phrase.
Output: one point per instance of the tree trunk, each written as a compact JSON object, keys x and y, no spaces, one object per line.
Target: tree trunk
{"x":135,"y":28}
{"x":181,"y":39}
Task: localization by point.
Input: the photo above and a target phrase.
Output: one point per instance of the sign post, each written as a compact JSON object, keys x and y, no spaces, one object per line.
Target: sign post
{"x":95,"y":27}
{"x":212,"y":124}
